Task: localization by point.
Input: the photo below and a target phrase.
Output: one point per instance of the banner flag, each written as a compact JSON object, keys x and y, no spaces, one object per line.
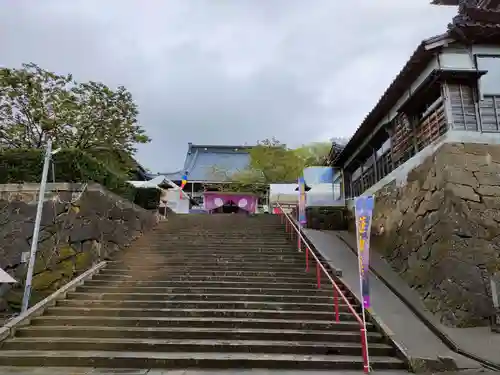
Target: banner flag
{"x":302,"y":201}
{"x":364,"y":211}
{"x":183,"y":183}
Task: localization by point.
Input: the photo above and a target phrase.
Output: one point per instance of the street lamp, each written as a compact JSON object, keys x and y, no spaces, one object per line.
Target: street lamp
{"x":36,"y":230}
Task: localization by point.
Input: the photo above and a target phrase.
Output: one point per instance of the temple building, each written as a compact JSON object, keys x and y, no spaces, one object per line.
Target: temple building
{"x":429,"y":151}
{"x":448,"y":90}
{"x":208,"y":169}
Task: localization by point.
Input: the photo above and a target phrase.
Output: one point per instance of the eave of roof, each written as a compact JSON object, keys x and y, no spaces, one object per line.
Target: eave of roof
{"x":420,"y":58}
{"x":223,"y":147}
{"x":445,"y":2}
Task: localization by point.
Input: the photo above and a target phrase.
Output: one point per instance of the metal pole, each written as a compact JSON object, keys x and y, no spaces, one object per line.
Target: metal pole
{"x":36,"y":230}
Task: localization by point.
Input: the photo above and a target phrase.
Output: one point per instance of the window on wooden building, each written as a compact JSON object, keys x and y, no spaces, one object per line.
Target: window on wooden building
{"x":383,"y":155}
{"x":489,"y":84}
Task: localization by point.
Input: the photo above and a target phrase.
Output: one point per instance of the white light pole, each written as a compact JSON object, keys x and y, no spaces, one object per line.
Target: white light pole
{"x":36,"y":230}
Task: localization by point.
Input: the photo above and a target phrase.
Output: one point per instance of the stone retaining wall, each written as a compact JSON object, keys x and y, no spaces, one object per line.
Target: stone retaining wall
{"x":441,"y":231}
{"x":78,"y":229}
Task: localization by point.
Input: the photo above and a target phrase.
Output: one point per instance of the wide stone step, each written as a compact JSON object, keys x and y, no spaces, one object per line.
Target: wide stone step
{"x":237,"y":239}
{"x":269,"y":279}
{"x":209,"y":258}
{"x":107,"y":359}
{"x":214,"y":251}
{"x":136,"y":312}
{"x":215,"y":262}
{"x":189,"y":346}
{"x":89,"y":288}
{"x":252,"y":305}
{"x":288,"y":256}
{"x":205,"y":260}
{"x":192,"y":322}
{"x":220,"y":272}
{"x":204,"y":283}
{"x":228,"y":248}
{"x":271,"y":230}
{"x":97,"y":332}
{"x":284,"y":246}
{"x":216,"y":267}
{"x":276,"y":231}
{"x":167,"y":297}
{"x":256,"y":238}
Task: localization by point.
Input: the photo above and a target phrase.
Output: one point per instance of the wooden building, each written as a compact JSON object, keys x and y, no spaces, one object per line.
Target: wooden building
{"x":451,"y":83}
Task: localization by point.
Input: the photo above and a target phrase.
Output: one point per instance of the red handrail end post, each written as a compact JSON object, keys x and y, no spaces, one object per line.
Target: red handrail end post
{"x":318,"y":275}
{"x":366,"y":366}
{"x":307,"y":258}
{"x":337,"y":318}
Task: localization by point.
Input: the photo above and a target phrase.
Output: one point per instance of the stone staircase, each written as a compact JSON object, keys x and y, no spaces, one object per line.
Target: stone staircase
{"x":201,"y":291}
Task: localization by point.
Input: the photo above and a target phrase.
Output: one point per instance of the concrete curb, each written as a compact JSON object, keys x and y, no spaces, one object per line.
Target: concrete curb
{"x":8,"y":330}
{"x":428,"y":323}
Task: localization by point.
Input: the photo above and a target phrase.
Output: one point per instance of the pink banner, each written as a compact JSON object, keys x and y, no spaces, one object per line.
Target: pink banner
{"x":245,"y":202}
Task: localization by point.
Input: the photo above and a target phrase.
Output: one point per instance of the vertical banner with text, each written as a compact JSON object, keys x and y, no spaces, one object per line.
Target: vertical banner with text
{"x":364,"y":211}
{"x":302,"y":201}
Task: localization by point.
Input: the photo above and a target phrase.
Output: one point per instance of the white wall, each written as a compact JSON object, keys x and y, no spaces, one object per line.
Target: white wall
{"x":456,"y":58}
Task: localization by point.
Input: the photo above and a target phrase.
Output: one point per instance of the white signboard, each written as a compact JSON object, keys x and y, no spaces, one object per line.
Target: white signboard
{"x":6,"y":278}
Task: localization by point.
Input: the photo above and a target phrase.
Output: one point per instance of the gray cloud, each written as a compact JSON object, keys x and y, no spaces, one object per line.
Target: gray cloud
{"x":226,"y":71}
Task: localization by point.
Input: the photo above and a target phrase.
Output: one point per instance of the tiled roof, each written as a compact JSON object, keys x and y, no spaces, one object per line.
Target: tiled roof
{"x":212,"y":163}
{"x":417,"y":62}
{"x":477,"y":20}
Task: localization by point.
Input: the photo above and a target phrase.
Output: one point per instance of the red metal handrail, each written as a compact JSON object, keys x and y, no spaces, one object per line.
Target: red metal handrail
{"x":337,"y":291}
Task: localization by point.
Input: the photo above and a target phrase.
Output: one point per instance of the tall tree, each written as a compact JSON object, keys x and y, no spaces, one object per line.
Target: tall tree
{"x":314,"y":153}
{"x":270,"y":162}
{"x":275,"y":162}
{"x":35,"y":102}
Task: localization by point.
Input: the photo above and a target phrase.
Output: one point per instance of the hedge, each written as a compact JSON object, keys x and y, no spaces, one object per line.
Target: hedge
{"x":147,"y":198}
{"x":18,"y":166}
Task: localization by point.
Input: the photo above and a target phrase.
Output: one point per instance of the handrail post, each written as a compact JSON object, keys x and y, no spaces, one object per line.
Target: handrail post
{"x":301,"y":241}
{"x":318,"y":275}
{"x":299,"y":244}
{"x":307,"y":259}
{"x":336,"y":293}
{"x":364,"y":348}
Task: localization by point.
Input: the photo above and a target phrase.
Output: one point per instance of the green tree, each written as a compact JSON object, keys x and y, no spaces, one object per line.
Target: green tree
{"x":270,"y":162}
{"x":35,"y":102}
{"x":314,"y":153}
{"x":273,"y":162}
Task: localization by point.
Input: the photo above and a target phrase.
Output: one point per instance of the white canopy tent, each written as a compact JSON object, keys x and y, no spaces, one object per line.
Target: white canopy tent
{"x":285,"y":194}
{"x":318,"y":195}
{"x":174,"y":198}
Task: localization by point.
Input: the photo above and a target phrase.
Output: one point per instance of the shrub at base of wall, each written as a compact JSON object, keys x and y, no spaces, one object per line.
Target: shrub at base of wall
{"x":442,"y":231}
{"x":73,"y":236}
{"x":326,"y":218}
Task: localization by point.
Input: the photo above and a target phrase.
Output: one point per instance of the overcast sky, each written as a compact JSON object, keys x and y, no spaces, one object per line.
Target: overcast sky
{"x":226,"y":71}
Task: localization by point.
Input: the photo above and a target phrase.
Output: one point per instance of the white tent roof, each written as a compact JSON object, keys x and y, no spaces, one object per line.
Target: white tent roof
{"x":284,"y":193}
{"x":158,"y":180}
{"x":6,"y":278}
